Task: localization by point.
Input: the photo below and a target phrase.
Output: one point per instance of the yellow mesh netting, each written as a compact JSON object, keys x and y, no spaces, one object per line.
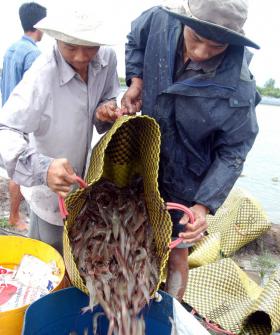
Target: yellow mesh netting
{"x":206,"y":251}
{"x":130,"y":147}
{"x":222,"y":292}
{"x":238,"y":221}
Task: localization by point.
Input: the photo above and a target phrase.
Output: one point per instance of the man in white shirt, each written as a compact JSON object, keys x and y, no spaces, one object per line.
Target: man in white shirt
{"x":57,"y":103}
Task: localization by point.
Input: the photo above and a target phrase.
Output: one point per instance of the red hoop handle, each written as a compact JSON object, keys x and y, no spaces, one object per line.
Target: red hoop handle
{"x":61,"y":203}
{"x":186,"y":210}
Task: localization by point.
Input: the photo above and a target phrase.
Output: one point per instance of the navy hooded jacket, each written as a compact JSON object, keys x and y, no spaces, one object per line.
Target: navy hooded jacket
{"x":208,"y":122}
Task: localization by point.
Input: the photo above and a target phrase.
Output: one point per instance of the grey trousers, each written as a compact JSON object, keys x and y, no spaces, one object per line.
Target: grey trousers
{"x":46,"y":232}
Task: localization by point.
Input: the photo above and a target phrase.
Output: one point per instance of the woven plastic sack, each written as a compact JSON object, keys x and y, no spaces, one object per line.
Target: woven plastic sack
{"x":223,"y":293}
{"x":130,"y":147}
{"x":238,"y":221}
{"x":206,"y":251}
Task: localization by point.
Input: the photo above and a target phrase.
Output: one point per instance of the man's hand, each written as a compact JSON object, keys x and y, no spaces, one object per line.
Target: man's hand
{"x":195,"y":232}
{"x":131,"y":102}
{"x":108,"y":112}
{"x":61,"y":176}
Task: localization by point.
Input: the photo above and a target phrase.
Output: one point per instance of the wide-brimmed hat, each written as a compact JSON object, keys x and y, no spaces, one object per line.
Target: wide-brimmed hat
{"x":217,"y":20}
{"x":77,"y":28}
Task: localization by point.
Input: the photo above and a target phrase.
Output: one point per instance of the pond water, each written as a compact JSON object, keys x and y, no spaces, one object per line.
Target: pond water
{"x":261,"y":173}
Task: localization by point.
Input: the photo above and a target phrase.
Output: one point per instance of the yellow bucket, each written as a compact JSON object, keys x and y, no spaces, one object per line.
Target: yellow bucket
{"x":12,"y":249}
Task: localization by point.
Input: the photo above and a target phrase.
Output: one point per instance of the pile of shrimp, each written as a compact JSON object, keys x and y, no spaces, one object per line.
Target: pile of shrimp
{"x":113,"y":246}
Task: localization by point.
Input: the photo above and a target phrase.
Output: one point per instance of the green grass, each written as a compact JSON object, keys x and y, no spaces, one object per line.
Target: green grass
{"x":4,"y":223}
{"x":264,"y":263}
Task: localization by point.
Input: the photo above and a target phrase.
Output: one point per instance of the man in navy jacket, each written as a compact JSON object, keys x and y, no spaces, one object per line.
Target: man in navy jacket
{"x":187,"y":67}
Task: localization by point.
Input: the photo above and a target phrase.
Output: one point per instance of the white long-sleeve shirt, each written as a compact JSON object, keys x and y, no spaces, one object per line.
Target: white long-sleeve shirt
{"x":56,"y":108}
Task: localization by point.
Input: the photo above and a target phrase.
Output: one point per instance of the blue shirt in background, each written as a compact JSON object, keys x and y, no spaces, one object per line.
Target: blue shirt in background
{"x":18,"y":59}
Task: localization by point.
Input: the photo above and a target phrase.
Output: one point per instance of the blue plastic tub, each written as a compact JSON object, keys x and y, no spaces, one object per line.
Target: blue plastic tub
{"x":59,"y":313}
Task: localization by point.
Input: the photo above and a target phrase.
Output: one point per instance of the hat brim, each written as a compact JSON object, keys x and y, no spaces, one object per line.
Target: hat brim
{"x":77,"y":32}
{"x":76,"y":39}
{"x":212,"y":31}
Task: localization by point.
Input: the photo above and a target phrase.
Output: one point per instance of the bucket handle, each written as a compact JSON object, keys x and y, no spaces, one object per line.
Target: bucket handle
{"x":61,"y":203}
{"x":186,"y":210}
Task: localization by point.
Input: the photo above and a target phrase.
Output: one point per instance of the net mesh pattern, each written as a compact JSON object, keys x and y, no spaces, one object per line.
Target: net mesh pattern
{"x":131,"y":146}
{"x":223,"y":293}
{"x":238,"y":221}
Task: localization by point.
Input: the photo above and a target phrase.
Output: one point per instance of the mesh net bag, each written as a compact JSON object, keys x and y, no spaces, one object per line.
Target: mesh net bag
{"x":206,"y":251}
{"x":130,"y":147}
{"x":238,"y":221}
{"x":224,"y":294}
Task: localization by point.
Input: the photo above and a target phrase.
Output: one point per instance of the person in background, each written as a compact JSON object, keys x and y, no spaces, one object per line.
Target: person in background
{"x":17,"y":60}
{"x":64,"y":94}
{"x":188,"y":67}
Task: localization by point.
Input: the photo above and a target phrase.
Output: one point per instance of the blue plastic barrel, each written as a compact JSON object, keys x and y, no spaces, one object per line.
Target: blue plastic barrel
{"x":59,"y":313}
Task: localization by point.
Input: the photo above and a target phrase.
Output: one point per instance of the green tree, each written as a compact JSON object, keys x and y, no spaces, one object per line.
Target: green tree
{"x":269,"y":89}
{"x":122,"y":81}
{"x":270,"y":84}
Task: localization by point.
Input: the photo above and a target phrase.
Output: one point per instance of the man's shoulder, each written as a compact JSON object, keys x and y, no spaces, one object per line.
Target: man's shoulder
{"x":44,"y":65}
{"x":15,"y":44}
{"x":159,"y":12}
{"x":39,"y":77}
{"x":158,"y":20}
{"x":26,"y":43}
{"x":106,"y":51}
{"x":20,"y":49}
{"x":11,"y":49}
{"x":154,"y":11}
{"x":107,"y":54}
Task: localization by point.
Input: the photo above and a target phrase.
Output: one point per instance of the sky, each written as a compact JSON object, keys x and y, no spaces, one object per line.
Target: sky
{"x":262,"y":26}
